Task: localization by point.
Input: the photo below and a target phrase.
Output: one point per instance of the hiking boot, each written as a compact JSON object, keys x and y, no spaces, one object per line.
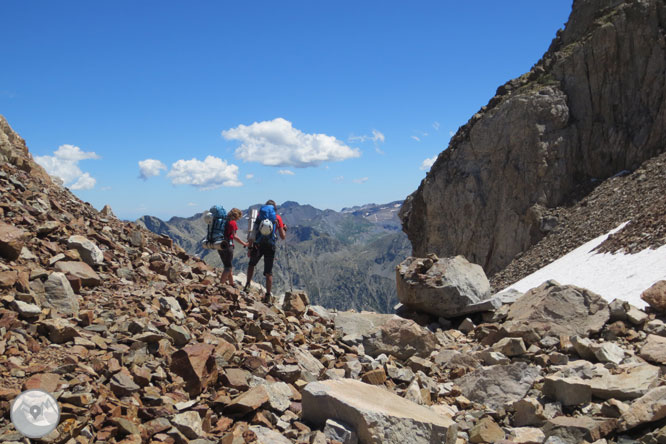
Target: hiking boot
{"x":268,"y":298}
{"x":246,"y":289}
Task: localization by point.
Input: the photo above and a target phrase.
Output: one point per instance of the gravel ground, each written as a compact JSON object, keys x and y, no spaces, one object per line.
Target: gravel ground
{"x":639,"y":196}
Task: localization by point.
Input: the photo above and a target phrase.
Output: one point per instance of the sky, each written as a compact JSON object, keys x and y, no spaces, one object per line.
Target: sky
{"x":165,"y":108}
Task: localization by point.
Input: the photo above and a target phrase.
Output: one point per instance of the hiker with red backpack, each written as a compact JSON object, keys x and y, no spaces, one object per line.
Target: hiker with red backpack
{"x":267,"y":228}
{"x":227,"y":250}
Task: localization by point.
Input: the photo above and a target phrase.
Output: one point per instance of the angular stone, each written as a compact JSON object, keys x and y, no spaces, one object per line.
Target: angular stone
{"x":340,"y":432}
{"x":443,"y":287}
{"x":553,"y":309}
{"x":59,"y":330}
{"x":247,"y":402}
{"x":8,"y":278}
{"x":180,"y":335}
{"x":11,"y":241}
{"x":310,"y":366}
{"x":498,"y":385}
{"x":577,"y":429}
{"x":296,"y":302}
{"x":526,"y":435}
{"x":401,"y":338}
{"x":377,"y":415}
{"x":48,"y":382}
{"x":655,"y":296}
{"x":510,"y":346}
{"x":122,"y":384}
{"x":527,"y":412}
{"x":171,"y":304}
{"x":568,"y":391}
{"x":79,"y":270}
{"x":59,"y":294}
{"x":264,"y":435}
{"x":90,"y":253}
{"x":196,"y":365}
{"x":189,"y":424}
{"x":654,"y":349}
{"x":648,"y":408}
{"x":375,"y":377}
{"x":279,"y":396}
{"x":486,"y":430}
{"x":26,"y":310}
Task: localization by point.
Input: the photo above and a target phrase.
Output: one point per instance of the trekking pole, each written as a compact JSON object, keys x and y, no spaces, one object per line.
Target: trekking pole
{"x":286,"y":253}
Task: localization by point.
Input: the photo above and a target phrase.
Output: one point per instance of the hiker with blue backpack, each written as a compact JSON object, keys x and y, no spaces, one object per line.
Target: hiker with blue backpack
{"x":266,"y":230}
{"x":220,"y":236}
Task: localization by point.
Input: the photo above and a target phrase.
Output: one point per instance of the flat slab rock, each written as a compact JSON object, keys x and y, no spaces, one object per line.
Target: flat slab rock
{"x":377,"y":415}
{"x":498,"y":385}
{"x":552,"y":309}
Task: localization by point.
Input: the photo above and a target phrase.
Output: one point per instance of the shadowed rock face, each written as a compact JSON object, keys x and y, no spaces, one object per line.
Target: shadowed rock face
{"x":594,"y":105}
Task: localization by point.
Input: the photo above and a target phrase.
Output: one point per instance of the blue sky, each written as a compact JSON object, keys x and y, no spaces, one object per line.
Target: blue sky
{"x":165,"y":108}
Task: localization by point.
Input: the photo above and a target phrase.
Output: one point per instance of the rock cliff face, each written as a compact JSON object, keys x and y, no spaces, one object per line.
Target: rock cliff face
{"x":594,"y":105}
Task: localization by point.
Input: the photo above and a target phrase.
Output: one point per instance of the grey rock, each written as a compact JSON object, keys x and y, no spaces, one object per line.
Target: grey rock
{"x":377,"y":415}
{"x":340,"y":432}
{"x":498,"y":385}
{"x":89,"y":251}
{"x":180,"y":335}
{"x":553,"y":309}
{"x":59,"y":295}
{"x":401,"y":338}
{"x":267,"y":436}
{"x":189,"y":424}
{"x":445,"y":287}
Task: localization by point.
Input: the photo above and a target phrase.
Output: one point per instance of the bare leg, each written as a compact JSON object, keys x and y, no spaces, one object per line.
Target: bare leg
{"x":269,"y":283}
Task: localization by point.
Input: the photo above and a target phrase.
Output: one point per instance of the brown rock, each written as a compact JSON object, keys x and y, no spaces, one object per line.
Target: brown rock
{"x":577,"y":429}
{"x":486,"y":431}
{"x":79,"y":270}
{"x":375,"y":377}
{"x":654,"y":349}
{"x":655,"y":296}
{"x":11,"y":241}
{"x":296,"y":302}
{"x":8,"y":278}
{"x":196,"y":365}
{"x":248,"y":401}
{"x":47,"y":382}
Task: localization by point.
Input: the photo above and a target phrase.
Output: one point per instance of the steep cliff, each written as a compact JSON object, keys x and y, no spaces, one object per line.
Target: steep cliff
{"x":593,"y":106}
{"x":13,"y":150}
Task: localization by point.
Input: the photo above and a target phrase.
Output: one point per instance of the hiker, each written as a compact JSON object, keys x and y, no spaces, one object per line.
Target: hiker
{"x":265,"y":245}
{"x":227,"y":251}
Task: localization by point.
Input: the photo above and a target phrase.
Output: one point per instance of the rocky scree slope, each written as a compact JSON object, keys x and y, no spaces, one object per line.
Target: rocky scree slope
{"x":140,"y":344}
{"x":593,"y":106}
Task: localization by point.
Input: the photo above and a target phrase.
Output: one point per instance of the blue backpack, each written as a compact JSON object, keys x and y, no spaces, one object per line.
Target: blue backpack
{"x":266,"y":214}
{"x":217,"y":223}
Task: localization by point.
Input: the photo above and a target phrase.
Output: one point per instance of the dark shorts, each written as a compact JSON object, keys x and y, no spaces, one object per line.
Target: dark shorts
{"x":227,"y":255}
{"x":268,"y":252}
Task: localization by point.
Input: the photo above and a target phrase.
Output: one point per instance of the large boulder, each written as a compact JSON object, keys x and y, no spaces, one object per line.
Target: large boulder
{"x":655,"y":296}
{"x":79,"y":270}
{"x":377,"y":415}
{"x":444,"y":287}
{"x":553,"y":309}
{"x":591,"y":107}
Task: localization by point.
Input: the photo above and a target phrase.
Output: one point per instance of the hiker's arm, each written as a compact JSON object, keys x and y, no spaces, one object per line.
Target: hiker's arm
{"x":243,"y":243}
{"x":282,"y":229}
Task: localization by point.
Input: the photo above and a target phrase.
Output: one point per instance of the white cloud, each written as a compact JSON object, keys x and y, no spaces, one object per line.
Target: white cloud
{"x":416,"y":138}
{"x":278,"y":143}
{"x":377,"y":137}
{"x":84,"y":182}
{"x":249,"y":176}
{"x":451,"y":133}
{"x":150,"y":167}
{"x":208,"y":174}
{"x":427,"y":163}
{"x":65,"y":164}
{"x":360,"y":180}
{"x":192,"y":204}
{"x":435,"y":125}
{"x":338,"y":179}
{"x":286,"y":172}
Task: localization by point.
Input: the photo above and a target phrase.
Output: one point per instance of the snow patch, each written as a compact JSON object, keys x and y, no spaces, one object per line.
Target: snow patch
{"x":612,"y":276}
